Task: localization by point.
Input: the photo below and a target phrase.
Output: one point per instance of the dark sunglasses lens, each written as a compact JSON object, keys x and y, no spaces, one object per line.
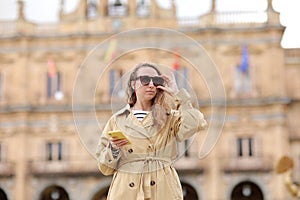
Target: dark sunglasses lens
{"x":158,"y":81}
{"x":145,"y":80}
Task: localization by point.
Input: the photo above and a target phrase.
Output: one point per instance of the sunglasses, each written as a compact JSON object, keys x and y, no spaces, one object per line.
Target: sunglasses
{"x":156,"y":80}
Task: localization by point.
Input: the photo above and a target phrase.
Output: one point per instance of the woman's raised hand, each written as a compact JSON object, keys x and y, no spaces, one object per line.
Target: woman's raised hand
{"x":170,"y":86}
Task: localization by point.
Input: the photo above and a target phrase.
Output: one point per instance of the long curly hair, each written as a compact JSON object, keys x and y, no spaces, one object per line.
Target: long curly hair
{"x":160,"y":103}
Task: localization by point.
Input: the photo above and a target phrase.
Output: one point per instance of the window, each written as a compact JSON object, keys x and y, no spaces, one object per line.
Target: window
{"x":184,"y":148}
{"x":297,"y":171}
{"x":115,"y":76}
{"x":242,"y":82}
{"x":182,"y":77}
{"x":2,"y":152}
{"x":245,"y":147}
{"x":117,"y":8}
{"x":92,"y":11}
{"x":53,"y":80}
{"x":54,"y":151}
{"x":1,"y":159}
{"x":54,"y":86}
{"x":1,"y":86}
{"x":143,"y":8}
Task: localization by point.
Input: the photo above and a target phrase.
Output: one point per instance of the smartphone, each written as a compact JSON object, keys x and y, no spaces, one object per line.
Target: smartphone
{"x":119,"y":135}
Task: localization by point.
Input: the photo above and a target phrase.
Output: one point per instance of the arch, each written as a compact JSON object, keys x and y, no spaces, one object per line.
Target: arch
{"x":259,"y":181}
{"x":54,"y":192}
{"x":3,"y":195}
{"x":246,"y":190}
{"x":101,"y":194}
{"x":193,"y":183}
{"x":101,"y":190}
{"x":189,"y":192}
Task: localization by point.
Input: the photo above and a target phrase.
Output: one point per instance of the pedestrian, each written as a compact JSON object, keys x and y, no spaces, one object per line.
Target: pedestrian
{"x":157,"y":116}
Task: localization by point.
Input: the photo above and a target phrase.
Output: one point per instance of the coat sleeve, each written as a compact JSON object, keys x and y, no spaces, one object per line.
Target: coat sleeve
{"x":189,"y":120}
{"x":106,"y":162}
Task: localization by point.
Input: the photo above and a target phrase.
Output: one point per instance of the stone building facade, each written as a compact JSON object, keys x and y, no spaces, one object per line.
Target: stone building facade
{"x":46,"y":154}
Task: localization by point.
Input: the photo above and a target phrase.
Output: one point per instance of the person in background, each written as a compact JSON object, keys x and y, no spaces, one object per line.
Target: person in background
{"x":158,"y":115}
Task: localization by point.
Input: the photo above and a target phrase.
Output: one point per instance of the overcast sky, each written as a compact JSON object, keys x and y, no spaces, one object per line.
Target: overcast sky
{"x":46,"y":11}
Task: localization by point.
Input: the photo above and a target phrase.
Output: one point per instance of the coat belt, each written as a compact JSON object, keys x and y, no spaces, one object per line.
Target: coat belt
{"x":146,"y":160}
{"x":145,"y":179}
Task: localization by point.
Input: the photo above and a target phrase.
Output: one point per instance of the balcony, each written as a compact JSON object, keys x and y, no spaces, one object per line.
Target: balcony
{"x":63,"y":168}
{"x":7,"y":27}
{"x":247,"y":164}
{"x":117,"y":10}
{"x":294,"y":134}
{"x":241,"y":17}
{"x":292,"y":56}
{"x":190,"y":164}
{"x":7,"y":169}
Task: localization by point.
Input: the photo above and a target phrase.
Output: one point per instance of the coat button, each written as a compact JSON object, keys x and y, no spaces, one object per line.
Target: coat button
{"x":152,"y":183}
{"x":130,"y":150}
{"x":131,"y":184}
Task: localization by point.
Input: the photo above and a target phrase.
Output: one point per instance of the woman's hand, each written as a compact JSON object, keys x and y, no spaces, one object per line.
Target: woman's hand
{"x":170,"y":86}
{"x":117,"y":143}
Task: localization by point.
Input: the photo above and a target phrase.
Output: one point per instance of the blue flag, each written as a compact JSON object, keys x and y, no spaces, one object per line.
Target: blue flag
{"x":244,"y":66}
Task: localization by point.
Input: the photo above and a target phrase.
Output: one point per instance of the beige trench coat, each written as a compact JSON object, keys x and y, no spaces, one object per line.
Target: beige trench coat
{"x":143,"y":169}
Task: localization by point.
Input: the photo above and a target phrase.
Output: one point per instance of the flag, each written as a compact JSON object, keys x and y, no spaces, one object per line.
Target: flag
{"x":111,"y":50}
{"x":51,"y":67}
{"x":244,"y":66}
{"x":243,"y":79}
{"x":176,"y":61}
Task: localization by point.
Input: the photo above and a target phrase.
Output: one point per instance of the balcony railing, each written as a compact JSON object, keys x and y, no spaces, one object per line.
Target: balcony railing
{"x":292,"y":56}
{"x":240,"y":17}
{"x":294,"y":134}
{"x":7,"y":169}
{"x":117,"y":10}
{"x":242,"y":164}
{"x":189,"y":164}
{"x":217,"y":19}
{"x":63,"y":167}
{"x":7,"y":27}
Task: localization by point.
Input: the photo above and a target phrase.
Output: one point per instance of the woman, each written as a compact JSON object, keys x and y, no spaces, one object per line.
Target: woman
{"x":157,"y":116}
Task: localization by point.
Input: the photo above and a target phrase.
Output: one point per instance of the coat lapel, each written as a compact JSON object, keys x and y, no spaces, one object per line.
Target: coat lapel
{"x":127,"y":122}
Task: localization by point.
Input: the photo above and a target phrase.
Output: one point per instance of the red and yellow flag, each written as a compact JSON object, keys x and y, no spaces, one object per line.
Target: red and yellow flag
{"x":51,"y":67}
{"x":176,"y":62}
{"x":111,"y":50}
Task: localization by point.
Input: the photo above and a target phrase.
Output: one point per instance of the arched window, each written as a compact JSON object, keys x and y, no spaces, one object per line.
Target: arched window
{"x":189,"y":192}
{"x":101,"y":194}
{"x":54,"y":193}
{"x":3,"y":195}
{"x":246,"y":190}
